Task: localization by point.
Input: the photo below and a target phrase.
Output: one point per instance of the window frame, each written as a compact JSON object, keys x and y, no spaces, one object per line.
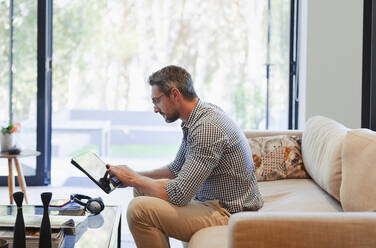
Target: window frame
{"x":293,"y":112}
{"x":44,"y":74}
{"x":369,"y":62}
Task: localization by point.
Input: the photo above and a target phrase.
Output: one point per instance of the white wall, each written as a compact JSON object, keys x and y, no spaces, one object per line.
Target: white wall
{"x":330,"y":72}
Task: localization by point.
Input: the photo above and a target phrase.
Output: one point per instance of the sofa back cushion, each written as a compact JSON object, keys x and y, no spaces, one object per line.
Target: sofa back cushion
{"x":322,"y":151}
{"x":266,"y":133}
{"x":277,"y":157}
{"x":359,"y":171}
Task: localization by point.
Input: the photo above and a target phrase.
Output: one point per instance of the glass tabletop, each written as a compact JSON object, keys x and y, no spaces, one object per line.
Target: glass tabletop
{"x":100,"y":230}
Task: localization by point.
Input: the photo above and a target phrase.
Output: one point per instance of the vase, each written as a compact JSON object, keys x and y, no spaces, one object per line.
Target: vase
{"x":7,"y":141}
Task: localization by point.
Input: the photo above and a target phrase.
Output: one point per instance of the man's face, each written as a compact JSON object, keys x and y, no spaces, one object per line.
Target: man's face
{"x":164,"y":105}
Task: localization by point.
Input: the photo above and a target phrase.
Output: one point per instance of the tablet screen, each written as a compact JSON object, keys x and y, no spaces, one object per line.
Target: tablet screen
{"x":95,"y":168}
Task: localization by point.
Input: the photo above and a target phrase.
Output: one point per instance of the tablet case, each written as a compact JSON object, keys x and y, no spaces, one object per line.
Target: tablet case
{"x":103,"y":182}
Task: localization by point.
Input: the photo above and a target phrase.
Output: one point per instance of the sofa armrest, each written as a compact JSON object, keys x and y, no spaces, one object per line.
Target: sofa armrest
{"x":305,"y":229}
{"x":264,"y":133}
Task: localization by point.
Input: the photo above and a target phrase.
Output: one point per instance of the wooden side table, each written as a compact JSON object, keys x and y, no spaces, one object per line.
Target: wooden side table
{"x":20,"y":175}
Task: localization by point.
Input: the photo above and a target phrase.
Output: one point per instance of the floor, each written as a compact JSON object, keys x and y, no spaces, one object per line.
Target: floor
{"x":66,"y":179}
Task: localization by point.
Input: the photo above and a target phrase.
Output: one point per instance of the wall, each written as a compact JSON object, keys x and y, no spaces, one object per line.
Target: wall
{"x":330,"y":60}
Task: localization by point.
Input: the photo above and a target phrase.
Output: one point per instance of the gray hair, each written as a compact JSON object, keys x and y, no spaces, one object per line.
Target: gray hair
{"x":173,"y":76}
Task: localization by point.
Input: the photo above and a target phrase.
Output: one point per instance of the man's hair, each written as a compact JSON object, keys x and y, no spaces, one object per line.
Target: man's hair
{"x":173,"y":76}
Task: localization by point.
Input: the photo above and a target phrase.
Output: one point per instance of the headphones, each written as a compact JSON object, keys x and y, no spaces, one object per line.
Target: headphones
{"x":93,"y":205}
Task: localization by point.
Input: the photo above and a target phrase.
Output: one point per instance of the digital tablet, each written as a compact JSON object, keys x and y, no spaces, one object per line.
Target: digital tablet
{"x":90,"y":164}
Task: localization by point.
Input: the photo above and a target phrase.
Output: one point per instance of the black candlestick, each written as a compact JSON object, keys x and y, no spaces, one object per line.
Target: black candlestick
{"x":19,"y":239}
{"x":45,"y":227}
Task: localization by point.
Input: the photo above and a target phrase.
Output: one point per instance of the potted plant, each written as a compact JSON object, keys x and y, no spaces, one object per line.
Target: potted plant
{"x":8,"y":136}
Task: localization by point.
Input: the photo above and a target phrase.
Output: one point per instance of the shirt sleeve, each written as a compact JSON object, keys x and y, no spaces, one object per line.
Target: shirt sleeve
{"x":176,"y":165}
{"x":205,"y":147}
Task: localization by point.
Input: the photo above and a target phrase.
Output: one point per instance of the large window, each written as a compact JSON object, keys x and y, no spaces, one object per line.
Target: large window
{"x":236,"y":51}
{"x":103,"y":51}
{"x":18,"y":75}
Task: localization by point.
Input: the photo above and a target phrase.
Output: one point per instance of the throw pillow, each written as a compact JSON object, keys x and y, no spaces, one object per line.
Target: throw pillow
{"x":322,"y":143}
{"x":357,"y":191}
{"x":277,"y":157}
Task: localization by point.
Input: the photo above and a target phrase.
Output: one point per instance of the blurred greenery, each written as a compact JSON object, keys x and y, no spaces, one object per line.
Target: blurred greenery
{"x":106,"y":50}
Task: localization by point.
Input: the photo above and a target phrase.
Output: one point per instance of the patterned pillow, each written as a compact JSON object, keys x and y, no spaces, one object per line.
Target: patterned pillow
{"x":277,"y":157}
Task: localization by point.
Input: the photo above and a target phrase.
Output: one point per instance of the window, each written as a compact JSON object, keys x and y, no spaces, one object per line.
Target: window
{"x":108,"y":48}
{"x":236,"y":51}
{"x":25,"y":81}
{"x":19,"y":84}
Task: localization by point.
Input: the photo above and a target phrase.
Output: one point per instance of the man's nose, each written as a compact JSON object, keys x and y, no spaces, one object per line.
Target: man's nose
{"x":156,"y":109}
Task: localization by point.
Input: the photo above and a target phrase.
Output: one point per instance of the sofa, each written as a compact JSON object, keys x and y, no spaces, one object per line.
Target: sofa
{"x":332,"y":208}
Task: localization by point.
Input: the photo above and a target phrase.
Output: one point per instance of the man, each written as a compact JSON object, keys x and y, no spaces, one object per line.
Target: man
{"x":212,"y":176}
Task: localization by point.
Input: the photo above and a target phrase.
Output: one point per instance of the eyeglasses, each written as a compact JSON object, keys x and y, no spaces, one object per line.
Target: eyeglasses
{"x":156,"y":100}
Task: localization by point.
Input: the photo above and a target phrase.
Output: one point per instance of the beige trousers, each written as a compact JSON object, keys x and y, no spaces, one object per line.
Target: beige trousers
{"x":152,"y":220}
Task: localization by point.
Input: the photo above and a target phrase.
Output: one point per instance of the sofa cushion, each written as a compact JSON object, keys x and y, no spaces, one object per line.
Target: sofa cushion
{"x":359,"y":171}
{"x":277,"y":157}
{"x":296,"y":195}
{"x":291,"y":195}
{"x":210,"y":237}
{"x":304,"y":229}
{"x":322,"y":151}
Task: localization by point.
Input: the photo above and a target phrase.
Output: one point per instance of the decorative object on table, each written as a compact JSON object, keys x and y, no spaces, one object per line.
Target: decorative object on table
{"x":45,"y":227}
{"x":19,"y":236}
{"x":8,"y":139}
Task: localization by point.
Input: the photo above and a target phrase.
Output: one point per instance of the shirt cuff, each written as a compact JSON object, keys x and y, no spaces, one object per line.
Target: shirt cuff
{"x":173,"y":169}
{"x":173,"y":195}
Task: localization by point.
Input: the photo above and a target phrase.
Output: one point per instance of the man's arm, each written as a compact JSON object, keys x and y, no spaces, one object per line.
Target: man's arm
{"x":148,"y":185}
{"x":152,"y":187}
{"x":160,"y":173}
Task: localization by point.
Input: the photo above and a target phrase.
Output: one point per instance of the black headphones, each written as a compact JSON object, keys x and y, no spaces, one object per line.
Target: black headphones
{"x":93,"y":205}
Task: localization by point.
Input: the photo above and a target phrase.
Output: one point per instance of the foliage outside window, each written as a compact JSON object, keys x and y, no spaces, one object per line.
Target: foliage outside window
{"x":104,"y":50}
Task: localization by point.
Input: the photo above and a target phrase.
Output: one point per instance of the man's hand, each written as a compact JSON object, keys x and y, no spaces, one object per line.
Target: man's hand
{"x":125,"y":175}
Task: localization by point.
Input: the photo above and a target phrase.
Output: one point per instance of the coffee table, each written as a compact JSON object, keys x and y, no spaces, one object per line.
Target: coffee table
{"x":102,"y":230}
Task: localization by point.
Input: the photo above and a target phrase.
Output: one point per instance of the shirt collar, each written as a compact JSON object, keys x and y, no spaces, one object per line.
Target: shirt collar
{"x":192,"y":115}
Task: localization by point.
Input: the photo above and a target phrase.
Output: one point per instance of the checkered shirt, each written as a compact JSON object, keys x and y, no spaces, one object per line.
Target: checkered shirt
{"x":214,"y":162}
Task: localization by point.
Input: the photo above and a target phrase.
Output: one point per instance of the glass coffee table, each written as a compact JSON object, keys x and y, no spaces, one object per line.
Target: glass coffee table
{"x":102,"y":230}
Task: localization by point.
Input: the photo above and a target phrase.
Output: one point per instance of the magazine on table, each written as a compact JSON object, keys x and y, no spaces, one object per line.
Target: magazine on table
{"x":60,"y":226}
{"x":32,"y":237}
{"x":69,"y":224}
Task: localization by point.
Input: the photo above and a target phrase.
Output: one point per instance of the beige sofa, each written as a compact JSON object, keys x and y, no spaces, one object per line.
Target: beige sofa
{"x":333,"y":209}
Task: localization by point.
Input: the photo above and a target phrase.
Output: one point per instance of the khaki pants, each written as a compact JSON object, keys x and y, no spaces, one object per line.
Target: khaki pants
{"x":152,"y":220}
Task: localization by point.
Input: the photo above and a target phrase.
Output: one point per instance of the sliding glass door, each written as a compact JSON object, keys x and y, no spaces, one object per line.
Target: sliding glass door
{"x":20,"y":94}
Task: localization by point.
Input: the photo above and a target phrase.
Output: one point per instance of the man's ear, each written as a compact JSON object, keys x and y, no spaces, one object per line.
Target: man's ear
{"x":175,"y":93}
